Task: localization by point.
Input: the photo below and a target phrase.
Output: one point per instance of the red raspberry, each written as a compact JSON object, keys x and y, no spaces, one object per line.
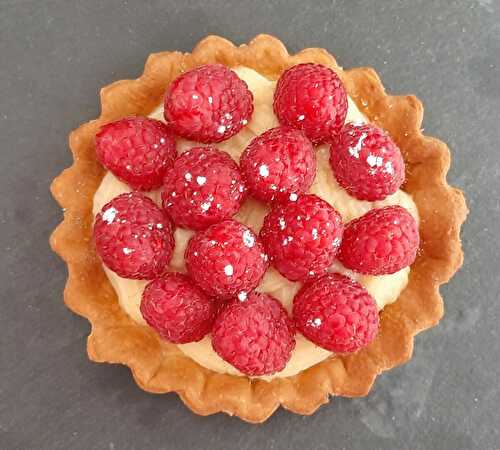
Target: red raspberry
{"x":208,"y":104}
{"x":336,"y":313}
{"x":277,"y":163}
{"x":302,"y":237}
{"x":254,"y":335}
{"x":134,"y":237}
{"x":312,"y":98}
{"x":177,"y":309}
{"x":204,"y":187}
{"x":226,"y":259}
{"x":366,"y":162}
{"x":137,"y":150}
{"x":381,"y":242}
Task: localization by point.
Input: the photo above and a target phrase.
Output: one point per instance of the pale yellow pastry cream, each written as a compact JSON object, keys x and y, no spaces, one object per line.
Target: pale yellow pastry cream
{"x":385,"y":289}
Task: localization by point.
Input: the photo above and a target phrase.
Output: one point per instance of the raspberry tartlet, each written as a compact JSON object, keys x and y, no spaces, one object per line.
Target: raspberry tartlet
{"x":251,"y":229}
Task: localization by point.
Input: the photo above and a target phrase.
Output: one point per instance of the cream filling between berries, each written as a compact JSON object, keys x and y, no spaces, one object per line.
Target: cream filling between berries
{"x":385,"y":288}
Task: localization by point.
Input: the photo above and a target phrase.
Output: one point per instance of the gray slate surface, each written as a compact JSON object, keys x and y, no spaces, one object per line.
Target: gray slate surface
{"x":56,"y":54}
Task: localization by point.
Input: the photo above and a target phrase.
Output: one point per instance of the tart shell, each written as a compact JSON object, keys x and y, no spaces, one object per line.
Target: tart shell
{"x":160,"y":367}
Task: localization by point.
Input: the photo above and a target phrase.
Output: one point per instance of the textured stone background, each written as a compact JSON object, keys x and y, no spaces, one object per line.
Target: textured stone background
{"x":56,"y":54}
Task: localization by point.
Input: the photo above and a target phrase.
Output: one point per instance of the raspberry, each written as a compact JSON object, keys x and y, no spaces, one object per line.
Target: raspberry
{"x":302,"y":237}
{"x":312,"y":98}
{"x":336,"y":313}
{"x":137,"y":150}
{"x":277,"y":163}
{"x":204,"y":187}
{"x":208,"y":104}
{"x":381,"y":242}
{"x":134,"y":237}
{"x":177,"y":309}
{"x":226,"y":259}
{"x":366,"y":162}
{"x":255,"y":335}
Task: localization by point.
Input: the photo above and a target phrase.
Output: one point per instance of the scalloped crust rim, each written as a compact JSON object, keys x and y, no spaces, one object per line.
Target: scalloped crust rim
{"x":160,"y":367}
